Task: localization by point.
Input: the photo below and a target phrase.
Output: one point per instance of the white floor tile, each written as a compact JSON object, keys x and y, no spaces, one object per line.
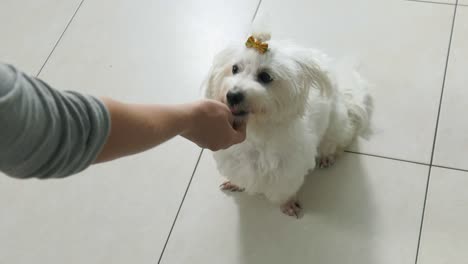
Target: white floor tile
{"x":30,"y":28}
{"x":401,"y":47}
{"x":121,"y":212}
{"x":452,"y":2}
{"x":441,"y":1}
{"x":364,"y":210}
{"x":153,"y":51}
{"x":452,"y":136}
{"x":445,"y":229}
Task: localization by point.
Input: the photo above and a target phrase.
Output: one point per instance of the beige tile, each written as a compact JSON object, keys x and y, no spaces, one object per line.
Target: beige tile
{"x":441,"y":1}
{"x":30,"y":28}
{"x":153,"y":51}
{"x":452,"y":135}
{"x":401,"y":47}
{"x":452,"y":2}
{"x":121,"y":212}
{"x":445,"y":229}
{"x":363,"y":210}
{"x":435,"y":1}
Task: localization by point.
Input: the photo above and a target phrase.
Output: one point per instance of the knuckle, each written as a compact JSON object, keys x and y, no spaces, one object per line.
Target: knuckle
{"x":214,"y":147}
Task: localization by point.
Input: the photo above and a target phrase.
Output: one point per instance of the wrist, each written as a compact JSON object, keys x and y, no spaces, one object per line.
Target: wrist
{"x":188,"y":113}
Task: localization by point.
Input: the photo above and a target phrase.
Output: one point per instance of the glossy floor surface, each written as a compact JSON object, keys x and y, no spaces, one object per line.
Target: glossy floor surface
{"x":398,"y":198}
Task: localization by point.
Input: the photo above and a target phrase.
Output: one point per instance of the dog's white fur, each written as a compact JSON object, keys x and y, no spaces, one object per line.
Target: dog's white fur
{"x":313,"y":109}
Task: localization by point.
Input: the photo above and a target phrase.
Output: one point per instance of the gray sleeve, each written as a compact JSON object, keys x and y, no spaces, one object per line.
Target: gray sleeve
{"x":45,"y":133}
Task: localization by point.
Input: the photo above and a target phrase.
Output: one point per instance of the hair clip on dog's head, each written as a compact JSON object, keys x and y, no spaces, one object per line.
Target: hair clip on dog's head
{"x":257,"y":44}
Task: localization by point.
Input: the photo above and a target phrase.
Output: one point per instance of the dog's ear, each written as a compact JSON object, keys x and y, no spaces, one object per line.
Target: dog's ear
{"x":217,"y":71}
{"x":314,"y":75}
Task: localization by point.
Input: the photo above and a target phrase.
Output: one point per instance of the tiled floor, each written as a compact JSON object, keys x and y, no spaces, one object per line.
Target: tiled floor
{"x":397,"y":198}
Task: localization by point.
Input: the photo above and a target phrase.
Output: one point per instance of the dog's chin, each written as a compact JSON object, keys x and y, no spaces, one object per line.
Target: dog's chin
{"x":238,"y":110}
{"x":240,"y":114}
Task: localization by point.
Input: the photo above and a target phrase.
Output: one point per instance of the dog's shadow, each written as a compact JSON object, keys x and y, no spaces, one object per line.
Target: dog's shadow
{"x":336,"y":226}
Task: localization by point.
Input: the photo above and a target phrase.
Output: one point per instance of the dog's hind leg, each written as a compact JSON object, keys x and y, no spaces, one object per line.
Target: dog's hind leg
{"x":328,"y":151}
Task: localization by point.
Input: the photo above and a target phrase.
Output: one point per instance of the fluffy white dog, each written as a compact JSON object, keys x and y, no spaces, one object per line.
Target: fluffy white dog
{"x":300,"y":106}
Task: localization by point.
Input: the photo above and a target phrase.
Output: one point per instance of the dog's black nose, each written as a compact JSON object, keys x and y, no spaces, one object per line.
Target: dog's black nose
{"x":234,"y":97}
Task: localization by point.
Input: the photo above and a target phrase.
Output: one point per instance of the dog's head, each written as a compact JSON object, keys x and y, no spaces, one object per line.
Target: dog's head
{"x":271,"y":86}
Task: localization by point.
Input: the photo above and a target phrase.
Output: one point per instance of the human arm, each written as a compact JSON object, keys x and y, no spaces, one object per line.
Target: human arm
{"x":46,"y":133}
{"x":136,"y":128}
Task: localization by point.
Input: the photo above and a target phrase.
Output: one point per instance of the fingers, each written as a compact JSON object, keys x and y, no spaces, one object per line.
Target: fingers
{"x":231,"y":118}
{"x":240,"y":131}
{"x":227,"y":112}
{"x":240,"y":126}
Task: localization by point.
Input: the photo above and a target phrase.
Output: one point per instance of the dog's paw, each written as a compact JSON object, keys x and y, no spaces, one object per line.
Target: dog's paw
{"x":291,"y":208}
{"x":228,"y":186}
{"x":325,"y":162}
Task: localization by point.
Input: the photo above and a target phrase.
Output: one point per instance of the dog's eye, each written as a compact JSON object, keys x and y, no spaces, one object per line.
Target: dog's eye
{"x":264,"y":77}
{"x":235,"y":69}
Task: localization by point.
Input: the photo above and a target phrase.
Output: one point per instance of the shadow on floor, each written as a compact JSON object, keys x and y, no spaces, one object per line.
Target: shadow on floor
{"x":336,"y":227}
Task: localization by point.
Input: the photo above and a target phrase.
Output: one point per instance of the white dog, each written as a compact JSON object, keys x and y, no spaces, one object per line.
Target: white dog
{"x":300,"y":107}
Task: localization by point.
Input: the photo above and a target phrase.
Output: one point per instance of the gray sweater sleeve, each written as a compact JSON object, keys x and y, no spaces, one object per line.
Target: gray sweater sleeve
{"x":45,"y":133}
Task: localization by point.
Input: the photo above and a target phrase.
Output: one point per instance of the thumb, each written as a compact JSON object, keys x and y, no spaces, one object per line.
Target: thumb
{"x":240,"y":131}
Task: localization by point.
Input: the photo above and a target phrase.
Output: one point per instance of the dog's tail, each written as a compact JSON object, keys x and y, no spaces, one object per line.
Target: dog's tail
{"x":356,"y":95}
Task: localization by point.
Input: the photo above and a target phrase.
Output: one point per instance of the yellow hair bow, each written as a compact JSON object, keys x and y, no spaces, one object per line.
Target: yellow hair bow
{"x":261,"y":47}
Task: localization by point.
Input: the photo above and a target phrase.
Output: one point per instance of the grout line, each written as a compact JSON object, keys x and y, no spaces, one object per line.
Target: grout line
{"x":449,"y":168}
{"x":435,"y":132}
{"x":59,"y":39}
{"x":180,"y":207}
{"x":443,"y":84}
{"x":384,"y":157}
{"x":430,"y":2}
{"x":191,"y":178}
{"x":256,"y":10}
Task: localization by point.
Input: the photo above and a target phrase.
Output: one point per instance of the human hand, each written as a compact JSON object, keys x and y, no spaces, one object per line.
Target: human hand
{"x":211,"y":125}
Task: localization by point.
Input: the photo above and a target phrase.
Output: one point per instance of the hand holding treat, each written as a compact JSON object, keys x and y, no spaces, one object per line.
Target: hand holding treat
{"x":212,"y":125}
